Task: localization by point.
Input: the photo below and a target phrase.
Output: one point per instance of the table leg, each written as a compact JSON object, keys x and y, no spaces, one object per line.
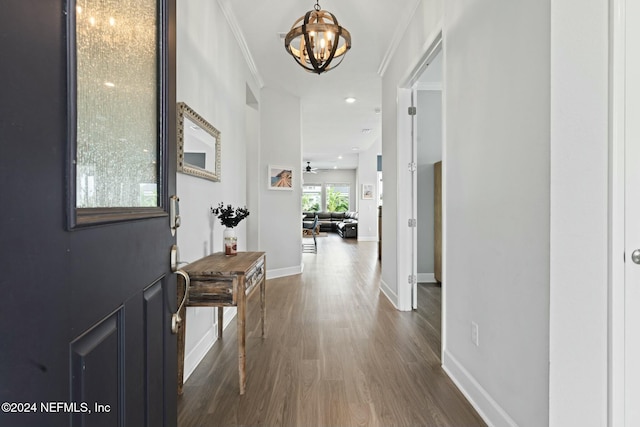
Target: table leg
{"x":262,"y":303}
{"x":220,"y":321}
{"x":242,"y":302}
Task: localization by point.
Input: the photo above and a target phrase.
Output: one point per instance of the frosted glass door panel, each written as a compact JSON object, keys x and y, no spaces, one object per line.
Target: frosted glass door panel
{"x":117,"y":103}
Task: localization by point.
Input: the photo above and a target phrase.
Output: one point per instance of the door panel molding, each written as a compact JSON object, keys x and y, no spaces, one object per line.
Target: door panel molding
{"x":97,"y":358}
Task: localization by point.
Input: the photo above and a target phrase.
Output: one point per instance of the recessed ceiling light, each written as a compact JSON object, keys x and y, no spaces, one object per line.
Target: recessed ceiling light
{"x":350,"y":100}
{"x":339,"y":157}
{"x":335,"y":167}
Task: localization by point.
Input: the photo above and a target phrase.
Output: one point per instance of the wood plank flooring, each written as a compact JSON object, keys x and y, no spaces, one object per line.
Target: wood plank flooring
{"x":335,"y":353}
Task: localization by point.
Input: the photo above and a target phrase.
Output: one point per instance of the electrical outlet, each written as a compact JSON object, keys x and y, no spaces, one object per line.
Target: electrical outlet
{"x":475,"y":333}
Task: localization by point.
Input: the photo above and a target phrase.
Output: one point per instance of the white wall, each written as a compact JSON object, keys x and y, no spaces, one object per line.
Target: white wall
{"x":252,"y":124}
{"x":216,"y":90}
{"x":429,"y":147}
{"x":497,"y":181}
{"x":280,"y":211}
{"x":368,"y":209}
{"x":525,"y":96}
{"x":579,"y":97}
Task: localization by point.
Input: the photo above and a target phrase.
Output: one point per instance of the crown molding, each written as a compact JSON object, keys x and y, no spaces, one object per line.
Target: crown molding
{"x":242,"y":43}
{"x":401,"y":28}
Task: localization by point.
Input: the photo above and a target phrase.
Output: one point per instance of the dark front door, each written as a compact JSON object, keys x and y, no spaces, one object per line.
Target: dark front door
{"x":87,"y":291}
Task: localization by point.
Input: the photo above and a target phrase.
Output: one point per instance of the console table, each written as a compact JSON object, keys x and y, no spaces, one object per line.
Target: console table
{"x":221,"y":281}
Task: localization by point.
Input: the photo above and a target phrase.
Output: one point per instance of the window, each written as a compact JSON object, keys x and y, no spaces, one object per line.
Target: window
{"x":117,"y":90}
{"x":116,"y":124}
{"x":337,"y":197}
{"x":311,"y":197}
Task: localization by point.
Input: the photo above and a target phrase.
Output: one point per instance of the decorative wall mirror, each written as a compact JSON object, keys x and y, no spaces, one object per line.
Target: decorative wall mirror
{"x":198,"y":145}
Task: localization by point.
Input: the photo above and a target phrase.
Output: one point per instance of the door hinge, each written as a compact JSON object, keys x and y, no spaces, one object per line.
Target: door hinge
{"x":412,"y":279}
{"x":412,"y":167}
{"x":413,"y":111}
{"x":413,"y":222}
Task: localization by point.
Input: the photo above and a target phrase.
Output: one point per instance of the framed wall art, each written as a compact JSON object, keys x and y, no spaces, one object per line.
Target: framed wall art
{"x":280,"y":178}
{"x":367,"y":191}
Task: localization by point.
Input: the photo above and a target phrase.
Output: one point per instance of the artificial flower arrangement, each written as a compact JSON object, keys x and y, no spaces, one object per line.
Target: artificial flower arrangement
{"x":230,"y":216}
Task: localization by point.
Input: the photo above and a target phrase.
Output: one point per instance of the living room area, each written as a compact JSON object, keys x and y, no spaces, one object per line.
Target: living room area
{"x":335,"y":198}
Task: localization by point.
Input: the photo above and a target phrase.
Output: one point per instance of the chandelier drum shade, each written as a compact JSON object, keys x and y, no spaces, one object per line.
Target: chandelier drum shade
{"x":316,"y":40}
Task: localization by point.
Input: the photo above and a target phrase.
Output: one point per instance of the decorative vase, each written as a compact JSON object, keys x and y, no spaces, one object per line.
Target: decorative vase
{"x":230,"y":241}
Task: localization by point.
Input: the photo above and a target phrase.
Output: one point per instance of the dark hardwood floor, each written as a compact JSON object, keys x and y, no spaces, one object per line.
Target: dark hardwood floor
{"x":335,"y":353}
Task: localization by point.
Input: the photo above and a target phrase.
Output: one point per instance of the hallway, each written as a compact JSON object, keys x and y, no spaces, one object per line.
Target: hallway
{"x":336,"y":353}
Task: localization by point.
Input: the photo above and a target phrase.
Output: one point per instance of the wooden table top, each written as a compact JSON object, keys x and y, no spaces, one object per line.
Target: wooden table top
{"x":221,"y":264}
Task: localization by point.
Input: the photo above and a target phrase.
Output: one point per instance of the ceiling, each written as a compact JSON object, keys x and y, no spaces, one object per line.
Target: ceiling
{"x":330,"y":127}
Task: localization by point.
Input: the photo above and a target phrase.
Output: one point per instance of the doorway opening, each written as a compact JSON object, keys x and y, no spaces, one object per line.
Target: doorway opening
{"x":421,"y":97}
{"x":428,"y":141}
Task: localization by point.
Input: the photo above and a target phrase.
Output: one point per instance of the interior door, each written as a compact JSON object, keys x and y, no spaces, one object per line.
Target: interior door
{"x":87,"y":288}
{"x":632,"y":214}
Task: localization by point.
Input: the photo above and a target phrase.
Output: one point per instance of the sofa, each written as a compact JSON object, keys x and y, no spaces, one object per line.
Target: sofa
{"x":343,"y":223}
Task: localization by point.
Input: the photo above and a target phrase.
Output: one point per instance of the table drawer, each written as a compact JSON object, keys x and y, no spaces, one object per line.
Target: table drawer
{"x":216,"y":290}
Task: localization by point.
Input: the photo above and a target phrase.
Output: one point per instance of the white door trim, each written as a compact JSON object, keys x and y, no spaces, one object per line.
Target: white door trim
{"x":406,"y":267}
{"x":404,"y":252}
{"x":414,"y":202}
{"x":616,"y":328}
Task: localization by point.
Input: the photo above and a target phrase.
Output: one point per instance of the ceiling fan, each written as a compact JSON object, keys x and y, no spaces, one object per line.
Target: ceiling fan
{"x":309,"y":169}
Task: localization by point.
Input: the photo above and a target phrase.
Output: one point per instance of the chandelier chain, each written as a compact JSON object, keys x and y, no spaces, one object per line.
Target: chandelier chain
{"x":317,"y":6}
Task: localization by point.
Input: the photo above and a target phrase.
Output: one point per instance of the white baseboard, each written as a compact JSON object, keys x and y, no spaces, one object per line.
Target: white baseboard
{"x":283,"y":272}
{"x":391,"y":295}
{"x":229,"y":315}
{"x":427,"y":278}
{"x":367,"y":238}
{"x":199,"y":351}
{"x":195,"y":356}
{"x":487,"y":408}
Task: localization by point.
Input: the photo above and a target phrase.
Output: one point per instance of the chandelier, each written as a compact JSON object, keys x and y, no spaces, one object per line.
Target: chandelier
{"x":316,"y":39}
